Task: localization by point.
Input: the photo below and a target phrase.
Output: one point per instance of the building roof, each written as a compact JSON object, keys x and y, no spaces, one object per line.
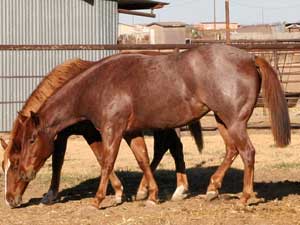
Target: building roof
{"x":261,"y":28}
{"x":292,"y":25}
{"x":216,"y":23}
{"x":168,"y":24}
{"x":140,"y":4}
{"x":126,"y":24}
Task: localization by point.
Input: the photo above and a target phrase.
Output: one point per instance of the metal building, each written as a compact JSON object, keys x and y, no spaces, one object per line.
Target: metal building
{"x":51,"y":22}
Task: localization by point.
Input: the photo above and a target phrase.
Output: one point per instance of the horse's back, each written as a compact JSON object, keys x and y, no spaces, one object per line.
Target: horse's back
{"x":215,"y":77}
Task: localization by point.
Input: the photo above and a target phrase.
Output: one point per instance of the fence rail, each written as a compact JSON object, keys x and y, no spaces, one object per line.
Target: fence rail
{"x":284,"y":55}
{"x":252,"y":46}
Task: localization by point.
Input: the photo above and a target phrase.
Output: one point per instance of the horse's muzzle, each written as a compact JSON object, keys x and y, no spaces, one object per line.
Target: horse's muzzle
{"x":12,"y":201}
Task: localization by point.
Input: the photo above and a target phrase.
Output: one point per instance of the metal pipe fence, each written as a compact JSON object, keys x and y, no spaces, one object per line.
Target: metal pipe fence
{"x":284,"y":55}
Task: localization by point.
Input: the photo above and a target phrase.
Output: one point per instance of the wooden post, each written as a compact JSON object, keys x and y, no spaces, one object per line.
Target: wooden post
{"x":227,"y":22}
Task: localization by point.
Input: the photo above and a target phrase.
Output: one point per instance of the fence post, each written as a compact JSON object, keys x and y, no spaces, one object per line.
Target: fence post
{"x":176,"y":50}
{"x":276,"y":62}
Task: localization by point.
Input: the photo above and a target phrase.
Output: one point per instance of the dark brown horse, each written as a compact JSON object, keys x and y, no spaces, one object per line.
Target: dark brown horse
{"x":53,"y":81}
{"x":129,"y":93}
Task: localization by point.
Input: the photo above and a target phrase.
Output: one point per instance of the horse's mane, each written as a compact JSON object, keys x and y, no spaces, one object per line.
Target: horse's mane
{"x":52,"y":82}
{"x":59,"y":76}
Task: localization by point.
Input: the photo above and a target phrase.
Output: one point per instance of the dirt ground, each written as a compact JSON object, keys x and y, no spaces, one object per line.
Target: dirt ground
{"x":277,"y":184}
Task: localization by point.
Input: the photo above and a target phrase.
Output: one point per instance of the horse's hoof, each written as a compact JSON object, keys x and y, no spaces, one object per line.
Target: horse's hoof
{"x":95,"y":203}
{"x":180,"y":194}
{"x":212,"y":195}
{"x":118,"y":200}
{"x":141,"y":195}
{"x":49,"y":198}
{"x":150,"y":203}
{"x":241,"y":204}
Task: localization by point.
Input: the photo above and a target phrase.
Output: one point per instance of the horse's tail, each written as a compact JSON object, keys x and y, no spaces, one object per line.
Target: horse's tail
{"x":275,"y":101}
{"x":196,"y":131}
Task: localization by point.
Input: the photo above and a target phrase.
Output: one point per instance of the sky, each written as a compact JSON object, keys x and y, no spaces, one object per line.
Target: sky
{"x":241,"y":11}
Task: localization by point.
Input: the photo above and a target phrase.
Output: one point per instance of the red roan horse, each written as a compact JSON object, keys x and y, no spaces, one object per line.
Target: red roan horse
{"x":163,"y":140}
{"x":129,"y":93}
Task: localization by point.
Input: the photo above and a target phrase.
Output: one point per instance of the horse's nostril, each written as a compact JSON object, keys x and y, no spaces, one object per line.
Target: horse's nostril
{"x":32,"y":175}
{"x":22,"y":175}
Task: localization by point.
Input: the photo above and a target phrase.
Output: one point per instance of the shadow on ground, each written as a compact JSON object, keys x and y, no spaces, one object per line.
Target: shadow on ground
{"x":166,"y":179}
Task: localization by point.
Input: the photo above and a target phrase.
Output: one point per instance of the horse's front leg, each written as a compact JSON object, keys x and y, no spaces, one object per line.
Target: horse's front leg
{"x":58,"y":155}
{"x":94,"y":140}
{"x":160,"y":149}
{"x":139,"y":149}
{"x":112,"y":136}
{"x":116,"y":184}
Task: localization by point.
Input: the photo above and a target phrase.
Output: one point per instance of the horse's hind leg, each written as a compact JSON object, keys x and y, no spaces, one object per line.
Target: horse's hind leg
{"x":60,"y":145}
{"x":139,"y":149}
{"x":246,"y":150}
{"x":231,"y":153}
{"x":176,"y":150}
{"x":164,"y":140}
{"x":237,"y":142}
{"x":160,"y":148}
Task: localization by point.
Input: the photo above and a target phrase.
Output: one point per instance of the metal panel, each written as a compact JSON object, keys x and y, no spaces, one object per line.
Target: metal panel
{"x":47,"y":22}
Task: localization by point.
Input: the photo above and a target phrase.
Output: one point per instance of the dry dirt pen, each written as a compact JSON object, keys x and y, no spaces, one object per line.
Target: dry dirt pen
{"x":277,"y":184}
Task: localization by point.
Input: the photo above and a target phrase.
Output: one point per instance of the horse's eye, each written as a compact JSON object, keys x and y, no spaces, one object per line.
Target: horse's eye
{"x":16,"y":146}
{"x":15,"y":165}
{"x":32,"y":140}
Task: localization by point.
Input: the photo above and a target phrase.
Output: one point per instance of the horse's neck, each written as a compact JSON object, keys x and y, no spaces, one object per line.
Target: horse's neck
{"x":59,"y":113}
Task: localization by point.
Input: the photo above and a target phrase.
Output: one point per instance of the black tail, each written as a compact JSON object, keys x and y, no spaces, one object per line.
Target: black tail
{"x":196,"y":131}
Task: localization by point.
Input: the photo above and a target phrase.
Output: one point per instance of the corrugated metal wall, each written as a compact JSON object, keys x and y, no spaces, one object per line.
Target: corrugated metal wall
{"x":47,"y":22}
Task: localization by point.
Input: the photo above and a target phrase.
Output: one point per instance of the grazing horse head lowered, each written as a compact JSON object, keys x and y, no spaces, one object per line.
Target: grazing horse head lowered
{"x":36,"y":158}
{"x":14,"y":186}
{"x":130,"y":93}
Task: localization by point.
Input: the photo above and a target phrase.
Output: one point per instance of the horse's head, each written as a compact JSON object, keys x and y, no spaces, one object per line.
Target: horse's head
{"x":37,"y":146}
{"x":14,"y":186}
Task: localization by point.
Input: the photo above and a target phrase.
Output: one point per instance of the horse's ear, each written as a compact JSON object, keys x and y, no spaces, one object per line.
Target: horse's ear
{"x":35,"y":118}
{"x":3,"y":143}
{"x":21,"y":117}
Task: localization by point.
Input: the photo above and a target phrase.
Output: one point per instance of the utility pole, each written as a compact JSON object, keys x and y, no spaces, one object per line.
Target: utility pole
{"x":215,"y":16}
{"x":262,"y":16}
{"x":227,"y":22}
